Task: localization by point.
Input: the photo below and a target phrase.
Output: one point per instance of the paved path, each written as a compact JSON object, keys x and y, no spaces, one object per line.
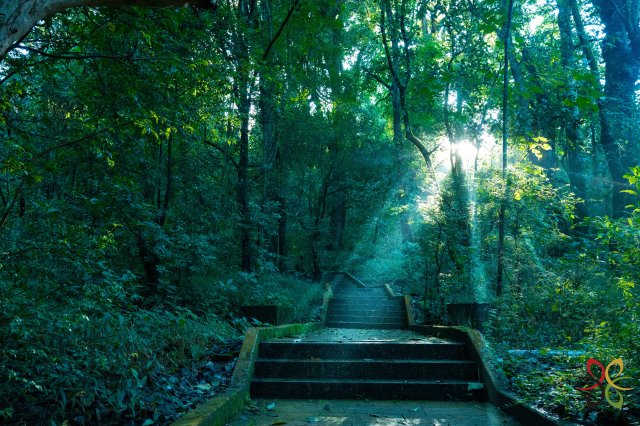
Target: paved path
{"x":371,"y":413}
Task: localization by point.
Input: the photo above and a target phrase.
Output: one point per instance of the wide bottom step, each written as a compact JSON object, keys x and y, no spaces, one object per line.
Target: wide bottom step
{"x":431,"y":390}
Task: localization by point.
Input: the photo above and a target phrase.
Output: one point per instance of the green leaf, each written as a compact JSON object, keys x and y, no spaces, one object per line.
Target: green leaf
{"x":540,"y":139}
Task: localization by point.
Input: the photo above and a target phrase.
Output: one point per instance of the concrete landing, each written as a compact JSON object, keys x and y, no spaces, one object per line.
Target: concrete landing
{"x":345,"y":335}
{"x":265,"y":412}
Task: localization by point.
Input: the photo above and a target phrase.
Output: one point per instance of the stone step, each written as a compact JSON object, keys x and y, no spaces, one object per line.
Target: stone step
{"x":368,"y":312}
{"x":374,"y":317}
{"x":367,"y":325}
{"x":367,"y":369}
{"x":363,"y":350}
{"x":434,"y":390}
{"x":360,"y":296}
{"x":336,"y":303}
{"x":361,"y":292}
{"x":368,"y":298}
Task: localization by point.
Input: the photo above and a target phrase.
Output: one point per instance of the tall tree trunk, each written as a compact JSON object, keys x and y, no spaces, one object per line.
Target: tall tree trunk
{"x":244,"y":108}
{"x":242,"y":90}
{"x":396,"y":108}
{"x":394,"y":60}
{"x":575,"y":160}
{"x":338,"y":220}
{"x":275,"y":243}
{"x":505,"y":122}
{"x":621,"y":54}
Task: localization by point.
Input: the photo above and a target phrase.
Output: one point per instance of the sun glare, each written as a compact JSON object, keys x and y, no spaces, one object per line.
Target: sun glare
{"x":467,"y":152}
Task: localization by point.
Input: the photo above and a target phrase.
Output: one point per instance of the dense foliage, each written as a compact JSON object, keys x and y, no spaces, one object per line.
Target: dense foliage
{"x":160,"y":168}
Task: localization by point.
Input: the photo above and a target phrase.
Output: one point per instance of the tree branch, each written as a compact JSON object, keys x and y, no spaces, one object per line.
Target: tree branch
{"x":387,"y":53}
{"x":377,"y":78}
{"x":17,"y":17}
{"x":223,"y":151}
{"x":284,"y":23}
{"x":76,"y":57}
{"x":5,"y":214}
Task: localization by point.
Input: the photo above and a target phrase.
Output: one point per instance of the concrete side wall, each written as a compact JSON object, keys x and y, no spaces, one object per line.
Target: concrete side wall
{"x":493,"y":378}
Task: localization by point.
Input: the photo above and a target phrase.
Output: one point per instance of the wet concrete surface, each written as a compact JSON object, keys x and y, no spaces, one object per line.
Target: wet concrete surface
{"x":263,"y":412}
{"x":362,"y":335}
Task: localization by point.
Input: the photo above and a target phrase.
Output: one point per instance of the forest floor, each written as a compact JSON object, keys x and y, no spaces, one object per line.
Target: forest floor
{"x":192,"y":385}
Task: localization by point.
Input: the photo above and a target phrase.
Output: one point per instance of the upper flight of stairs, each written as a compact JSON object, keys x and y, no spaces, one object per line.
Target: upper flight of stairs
{"x":365,"y":307}
{"x":369,"y":369}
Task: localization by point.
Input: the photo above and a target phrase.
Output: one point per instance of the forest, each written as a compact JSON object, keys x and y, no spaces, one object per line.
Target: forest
{"x":163,"y":163}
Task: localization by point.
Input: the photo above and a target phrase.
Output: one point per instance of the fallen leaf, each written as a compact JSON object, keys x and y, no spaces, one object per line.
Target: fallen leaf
{"x":279,"y":422}
{"x":312,"y":419}
{"x":271,"y":406}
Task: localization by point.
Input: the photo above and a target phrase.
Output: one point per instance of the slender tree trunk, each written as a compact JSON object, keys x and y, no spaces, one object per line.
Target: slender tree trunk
{"x":243,"y":176}
{"x":575,"y":160}
{"x":338,"y":220}
{"x":396,"y":108}
{"x":314,"y":240}
{"x":505,"y":122}
{"x":164,"y":207}
{"x":275,"y":244}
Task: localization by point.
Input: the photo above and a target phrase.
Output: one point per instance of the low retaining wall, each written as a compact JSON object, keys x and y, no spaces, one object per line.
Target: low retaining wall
{"x":493,"y":379}
{"x":474,"y":315}
{"x":407,"y":304}
{"x":219,"y":410}
{"x":268,"y":314}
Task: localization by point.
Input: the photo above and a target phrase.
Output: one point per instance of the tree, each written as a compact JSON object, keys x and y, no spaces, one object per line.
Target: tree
{"x":618,"y":120}
{"x":17,"y":17}
{"x":505,"y":122}
{"x":394,"y":29}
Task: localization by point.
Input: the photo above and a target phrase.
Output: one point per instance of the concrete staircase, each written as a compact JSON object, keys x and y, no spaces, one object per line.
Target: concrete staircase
{"x":366,"y":369}
{"x":353,"y":306}
{"x":366,"y":361}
